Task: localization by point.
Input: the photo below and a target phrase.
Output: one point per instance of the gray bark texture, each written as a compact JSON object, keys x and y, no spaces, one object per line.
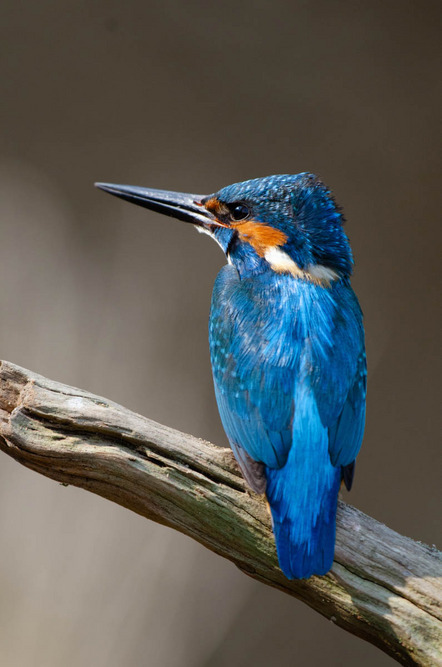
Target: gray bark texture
{"x":384,"y":587}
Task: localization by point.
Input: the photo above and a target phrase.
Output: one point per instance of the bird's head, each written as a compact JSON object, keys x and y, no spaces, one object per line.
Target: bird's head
{"x":285,"y":223}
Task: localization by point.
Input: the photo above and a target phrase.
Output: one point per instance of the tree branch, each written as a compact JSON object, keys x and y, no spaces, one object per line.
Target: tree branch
{"x":383,"y":587}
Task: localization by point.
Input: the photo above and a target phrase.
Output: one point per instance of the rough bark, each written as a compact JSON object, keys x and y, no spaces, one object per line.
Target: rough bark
{"x":384,"y":587}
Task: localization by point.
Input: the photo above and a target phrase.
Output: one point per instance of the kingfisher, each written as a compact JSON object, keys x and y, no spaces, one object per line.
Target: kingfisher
{"x":287,"y":348}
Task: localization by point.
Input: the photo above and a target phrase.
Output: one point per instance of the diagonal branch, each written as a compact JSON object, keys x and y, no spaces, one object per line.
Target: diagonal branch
{"x":384,"y":587}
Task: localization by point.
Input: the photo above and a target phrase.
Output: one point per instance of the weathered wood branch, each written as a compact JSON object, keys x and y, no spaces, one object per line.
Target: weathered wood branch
{"x":384,"y":587}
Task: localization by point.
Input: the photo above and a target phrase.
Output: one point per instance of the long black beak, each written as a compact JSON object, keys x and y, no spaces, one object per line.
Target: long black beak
{"x":186,"y":207}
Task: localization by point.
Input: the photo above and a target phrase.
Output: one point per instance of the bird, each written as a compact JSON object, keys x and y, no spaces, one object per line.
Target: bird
{"x":287,"y":348}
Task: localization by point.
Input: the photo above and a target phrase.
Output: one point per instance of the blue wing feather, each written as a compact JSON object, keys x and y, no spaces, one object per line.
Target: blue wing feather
{"x":339,"y":377}
{"x":289,"y":372}
{"x":254,"y":396}
{"x":345,"y":435}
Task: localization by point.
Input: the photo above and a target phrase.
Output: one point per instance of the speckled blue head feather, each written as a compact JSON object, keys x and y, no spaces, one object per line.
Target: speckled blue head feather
{"x":304,"y":209}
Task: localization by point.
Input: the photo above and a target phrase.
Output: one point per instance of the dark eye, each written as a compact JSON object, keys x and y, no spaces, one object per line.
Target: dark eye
{"x":239,"y":211}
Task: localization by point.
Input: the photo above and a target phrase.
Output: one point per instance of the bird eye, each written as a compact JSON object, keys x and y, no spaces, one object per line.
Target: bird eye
{"x":239,"y":212}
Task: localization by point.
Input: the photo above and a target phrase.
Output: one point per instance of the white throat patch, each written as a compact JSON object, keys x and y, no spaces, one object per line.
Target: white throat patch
{"x":281,"y":262}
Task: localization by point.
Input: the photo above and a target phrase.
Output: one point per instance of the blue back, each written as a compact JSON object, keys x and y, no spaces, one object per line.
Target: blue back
{"x":289,"y":372}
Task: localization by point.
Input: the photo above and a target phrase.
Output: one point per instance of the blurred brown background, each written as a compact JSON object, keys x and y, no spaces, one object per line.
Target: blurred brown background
{"x":96,"y":293}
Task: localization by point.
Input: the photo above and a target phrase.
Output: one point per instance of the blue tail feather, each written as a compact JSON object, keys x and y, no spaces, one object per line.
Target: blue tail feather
{"x":303,"y":497}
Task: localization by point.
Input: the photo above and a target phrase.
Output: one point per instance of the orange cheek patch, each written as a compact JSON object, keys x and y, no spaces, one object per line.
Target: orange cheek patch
{"x":260,"y":237}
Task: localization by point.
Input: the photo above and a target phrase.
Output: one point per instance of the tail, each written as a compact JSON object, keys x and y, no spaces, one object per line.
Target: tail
{"x":303,"y":496}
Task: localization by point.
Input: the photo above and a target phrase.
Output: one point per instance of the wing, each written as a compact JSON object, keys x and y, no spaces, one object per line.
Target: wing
{"x":253,"y":384}
{"x":345,"y":435}
{"x":339,"y":380}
